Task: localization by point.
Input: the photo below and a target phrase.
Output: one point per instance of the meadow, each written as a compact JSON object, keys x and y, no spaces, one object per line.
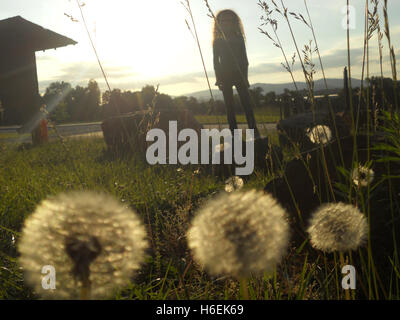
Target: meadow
{"x":168,"y":198}
{"x":265,"y":115}
{"x":164,"y":196}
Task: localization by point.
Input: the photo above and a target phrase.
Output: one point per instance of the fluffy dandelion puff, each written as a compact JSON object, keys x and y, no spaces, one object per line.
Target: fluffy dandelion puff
{"x":233,"y":183}
{"x":239,"y":233}
{"x":362,"y":176}
{"x":320,"y":134}
{"x":337,"y":227}
{"x":82,"y":233}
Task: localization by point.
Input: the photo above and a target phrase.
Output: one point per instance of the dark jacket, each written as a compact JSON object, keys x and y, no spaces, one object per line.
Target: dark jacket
{"x":230,"y":61}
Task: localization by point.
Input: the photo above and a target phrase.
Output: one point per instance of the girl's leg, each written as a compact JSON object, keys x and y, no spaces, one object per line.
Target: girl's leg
{"x":245,"y":99}
{"x":227,"y":91}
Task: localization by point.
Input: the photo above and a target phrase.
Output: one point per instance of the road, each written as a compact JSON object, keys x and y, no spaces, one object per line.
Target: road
{"x":94,"y":129}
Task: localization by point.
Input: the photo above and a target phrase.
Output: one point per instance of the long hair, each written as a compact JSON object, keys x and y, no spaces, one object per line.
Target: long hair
{"x":238,"y":26}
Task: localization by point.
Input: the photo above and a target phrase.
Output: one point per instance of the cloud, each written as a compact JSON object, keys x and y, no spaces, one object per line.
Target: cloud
{"x":122,"y":77}
{"x":331,"y":59}
{"x":265,"y":68}
{"x":338,"y":58}
{"x":191,"y":77}
{"x":40,"y":58}
{"x":91,"y":70}
{"x":118,"y":76}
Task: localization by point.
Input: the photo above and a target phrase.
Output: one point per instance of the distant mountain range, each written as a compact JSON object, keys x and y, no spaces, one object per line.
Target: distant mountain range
{"x":278,"y":88}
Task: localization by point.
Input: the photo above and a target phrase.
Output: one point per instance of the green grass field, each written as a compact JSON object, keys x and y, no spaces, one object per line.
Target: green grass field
{"x":12,"y":135}
{"x":166,"y":198}
{"x":160,"y":194}
{"x":262,"y":116}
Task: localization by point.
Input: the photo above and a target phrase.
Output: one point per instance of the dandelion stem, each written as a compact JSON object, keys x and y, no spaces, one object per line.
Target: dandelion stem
{"x":85,"y":290}
{"x":189,"y":10}
{"x":309,"y":81}
{"x":244,"y":288}
{"x":116,"y":106}
{"x":326,"y":83}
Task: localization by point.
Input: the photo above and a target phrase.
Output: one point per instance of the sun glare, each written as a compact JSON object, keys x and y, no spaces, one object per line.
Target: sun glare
{"x":141,"y":35}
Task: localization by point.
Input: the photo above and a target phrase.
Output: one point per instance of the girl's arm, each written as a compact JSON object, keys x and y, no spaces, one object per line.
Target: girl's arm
{"x":217,"y":65}
{"x":245,"y":61}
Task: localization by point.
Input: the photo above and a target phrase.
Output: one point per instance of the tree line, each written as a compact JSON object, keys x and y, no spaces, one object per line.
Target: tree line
{"x":77,"y":104}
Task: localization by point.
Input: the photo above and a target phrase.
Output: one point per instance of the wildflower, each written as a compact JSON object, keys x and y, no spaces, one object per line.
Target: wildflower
{"x":239,"y":233}
{"x":320,"y":134}
{"x":233,"y":183}
{"x":362,"y":176}
{"x":90,"y":239}
{"x":337,"y":227}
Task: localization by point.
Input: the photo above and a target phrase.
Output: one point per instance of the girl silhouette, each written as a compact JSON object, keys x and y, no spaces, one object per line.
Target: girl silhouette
{"x":231,"y":66}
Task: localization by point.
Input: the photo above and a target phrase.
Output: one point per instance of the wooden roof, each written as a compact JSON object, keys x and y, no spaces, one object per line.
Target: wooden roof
{"x":18,"y":33}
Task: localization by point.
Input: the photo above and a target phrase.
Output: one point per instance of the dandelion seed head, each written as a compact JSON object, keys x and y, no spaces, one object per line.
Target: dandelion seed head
{"x":320,"y":134}
{"x":112,"y":233}
{"x":362,"y":176}
{"x":233,"y":183}
{"x":239,"y":233}
{"x":337,"y":227}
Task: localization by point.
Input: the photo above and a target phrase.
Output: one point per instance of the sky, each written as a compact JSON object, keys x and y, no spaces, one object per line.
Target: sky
{"x":148,"y":42}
